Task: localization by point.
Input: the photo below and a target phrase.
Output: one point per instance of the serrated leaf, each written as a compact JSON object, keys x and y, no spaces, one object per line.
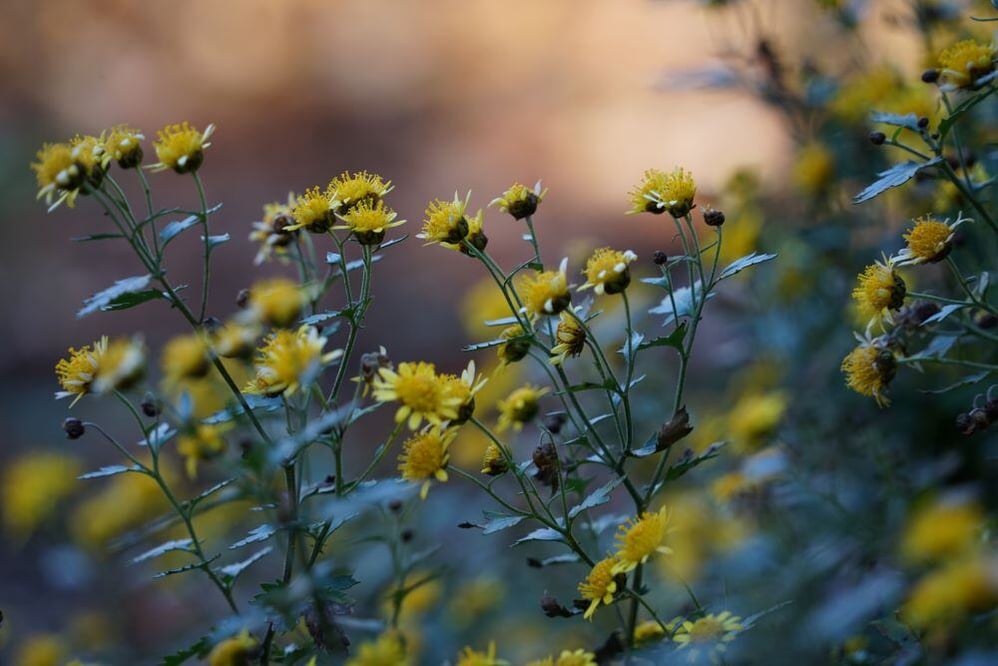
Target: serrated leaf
{"x":208,"y":492}
{"x":944,"y":312}
{"x":683,"y":298}
{"x":256,"y":403}
{"x":183,"y":569}
{"x":542,"y":534}
{"x":907,"y":120}
{"x":163,"y":548}
{"x":199,"y":649}
{"x":231,"y":571}
{"x":130,"y":300}
{"x":505,"y":321}
{"x":215,"y":241}
{"x":110,"y":470}
{"x":567,"y":558}
{"x":101,"y":299}
{"x":674,"y":339}
{"x":596,"y":498}
{"x":159,"y":435}
{"x":173,"y":229}
{"x":321,"y":317}
{"x":497,"y":522}
{"x":897,"y":175}
{"x":969,"y":380}
{"x":749,"y":260}
{"x":688,"y":463}
{"x":483,"y":345}
{"x":256,"y":535}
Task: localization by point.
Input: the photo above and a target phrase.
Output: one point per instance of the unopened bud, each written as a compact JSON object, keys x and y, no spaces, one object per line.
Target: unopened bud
{"x":242,"y":298}
{"x":930,"y":76}
{"x":554,"y":422}
{"x":150,"y":406}
{"x":73,"y":427}
{"x":878,"y":138}
{"x":660,"y":257}
{"x":713,"y":217}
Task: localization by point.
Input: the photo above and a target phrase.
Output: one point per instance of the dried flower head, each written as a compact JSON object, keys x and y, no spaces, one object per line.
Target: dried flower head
{"x":274,"y":232}
{"x":570,"y":337}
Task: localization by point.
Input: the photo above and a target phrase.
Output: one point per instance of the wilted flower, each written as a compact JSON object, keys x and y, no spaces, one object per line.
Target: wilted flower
{"x":519,"y":407}
{"x":545,"y":293}
{"x":640,"y":538}
{"x":100,"y":368}
{"x":519,"y":201}
{"x":273,"y":232}
{"x":660,"y":192}
{"x":424,"y":457}
{"x":570,"y":337}
{"x":289,"y":360}
{"x":181,"y":147}
{"x":600,"y":585}
{"x":606,"y":271}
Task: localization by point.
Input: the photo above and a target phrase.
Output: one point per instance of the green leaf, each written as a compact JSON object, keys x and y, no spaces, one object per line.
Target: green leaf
{"x":322,"y":317}
{"x":485,"y":345}
{"x":673,"y":339}
{"x":596,"y":498}
{"x":102,"y":299}
{"x":907,"y":120}
{"x":110,"y":470}
{"x":749,"y":260}
{"x":208,"y":492}
{"x":163,"y":548}
{"x":95,"y":237}
{"x":184,"y":569}
{"x":256,"y":535}
{"x":969,"y":380}
{"x":130,"y":300}
{"x":496,"y":522}
{"x":173,"y":229}
{"x":215,"y":241}
{"x":231,"y":571}
{"x":200,"y":649}
{"x":687,"y":463}
{"x":897,"y":175}
{"x":394,"y":241}
{"x":542,"y":534}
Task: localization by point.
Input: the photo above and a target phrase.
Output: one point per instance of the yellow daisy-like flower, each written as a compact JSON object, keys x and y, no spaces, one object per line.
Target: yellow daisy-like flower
{"x":570,"y":338}
{"x":57,"y":173}
{"x":660,"y":192}
{"x":387,"y":650}
{"x":424,"y":457}
{"x":545,"y":293}
{"x":814,"y":169}
{"x":446,"y":222}
{"x":184,"y":357}
{"x":290,"y":360}
{"x":235,"y":339}
{"x":880,"y":291}
{"x":273,"y":232}
{"x":277,"y":302}
{"x":91,"y":154}
{"x":348,"y":190}
{"x":709,"y":636}
{"x":600,"y":585}
{"x":494,"y":461}
{"x":516,"y":344}
{"x":181,"y":147}
{"x":312,"y":211}
{"x":520,"y":407}
{"x":32,"y":489}
{"x":202,"y":442}
{"x":233,"y":651}
{"x":945,"y":596}
{"x":869,"y":369}
{"x":650,"y":631}
{"x":943,"y":531}
{"x":470,"y":657}
{"x":124,"y":145}
{"x":640,"y":538}
{"x":963,"y":63}
{"x":420,"y":391}
{"x":463,"y":389}
{"x":606,"y":271}
{"x":567,"y":658}
{"x":368,"y":220}
{"x":929,"y":241}
{"x":519,"y":201}
{"x":100,"y":368}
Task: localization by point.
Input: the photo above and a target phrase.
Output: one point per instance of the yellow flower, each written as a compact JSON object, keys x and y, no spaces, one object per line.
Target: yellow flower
{"x":659,"y":192}
{"x":234,"y":651}
{"x":519,"y":201}
{"x":567,"y":658}
{"x":184,"y":357}
{"x":125,"y":502}
{"x":273,"y":232}
{"x":202,"y":442}
{"x":943,"y":531}
{"x":41,"y":650}
{"x":289,"y":361}
{"x":961,"y":64}
{"x":368,"y":221}
{"x":277,"y":302}
{"x":494,"y":461}
{"x":124,"y":145}
{"x":100,"y":368}
{"x":516,"y":344}
{"x":545,"y":293}
{"x":814,"y":169}
{"x":571,"y":339}
{"x":476,"y":237}
{"x":946,"y":595}
{"x":446,"y":222}
{"x":606,"y":271}
{"x":728,"y":486}
{"x":181,"y":147}
{"x":477,"y":597}
{"x":519,"y":407}
{"x":463,"y":389}
{"x":419,"y":390}
{"x":708,"y":636}
{"x":348,"y":190}
{"x":387,"y":650}
{"x":469,"y":657}
{"x":866,"y":92}
{"x":424,"y":457}
{"x":64,"y":168}
{"x":599,"y":585}
{"x":235,"y":339}
{"x":648,"y":631}
{"x":755,"y":416}
{"x":640,"y":538}
{"x":879,"y":291}
{"x":312,"y":211}
{"x":869,"y":369}
{"x":33,"y":486}
{"x":929,"y":241}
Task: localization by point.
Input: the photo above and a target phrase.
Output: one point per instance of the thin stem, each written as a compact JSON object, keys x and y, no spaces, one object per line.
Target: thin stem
{"x":207,"y":246}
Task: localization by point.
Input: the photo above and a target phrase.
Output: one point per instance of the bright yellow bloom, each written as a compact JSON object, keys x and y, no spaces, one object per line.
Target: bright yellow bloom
{"x":944,"y":596}
{"x":519,"y":201}
{"x":640,"y":538}
{"x":567,"y":658}
{"x":312,"y":211}
{"x":181,"y":147}
{"x":368,"y":221}
{"x":41,"y":650}
{"x":58,"y":173}
{"x":929,"y":241}
{"x":494,"y":461}
{"x":545,"y":293}
{"x":606,"y":271}
{"x":943,"y":531}
{"x":235,"y":339}
{"x":649,"y":631}
{"x":233,"y":651}
{"x":659,"y":192}
{"x":348,"y":190}
{"x":124,"y":145}
{"x":879,"y":291}
{"x":814,"y":169}
{"x":463,"y":388}
{"x":202,"y":442}
{"x":445,"y":222}
{"x":600,"y":585}
{"x":571,"y":339}
{"x":273,"y":232}
{"x":387,"y":650}
{"x":420,"y":391}
{"x":754,"y":417}
{"x":289,"y":361}
{"x":33,"y":486}
{"x":869,"y":369}
{"x":520,"y":407}
{"x":708,"y":636}
{"x":963,"y":63}
{"x":469,"y":657}
{"x":184,"y":357}
{"x":516,"y":345}
{"x":100,"y":368}
{"x":277,"y":302}
{"x":424,"y":457}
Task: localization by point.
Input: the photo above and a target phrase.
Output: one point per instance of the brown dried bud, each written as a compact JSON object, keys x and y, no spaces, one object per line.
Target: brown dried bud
{"x":546,"y":460}
{"x":554,"y":422}
{"x":660,"y":257}
{"x":674,"y":429}
{"x":713,"y":217}
{"x":552,"y":608}
{"x":930,"y":76}
{"x":150,"y":406}
{"x":371,"y":362}
{"x":985,"y":319}
{"x":923,"y":122}
{"x":407,"y":535}
{"x":965,"y":424}
{"x":242,"y":298}
{"x":980,"y":418}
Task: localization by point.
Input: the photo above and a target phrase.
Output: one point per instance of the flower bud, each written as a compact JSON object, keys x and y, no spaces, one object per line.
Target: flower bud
{"x":150,"y":406}
{"x":242,"y":298}
{"x":965,"y":424}
{"x":930,"y":76}
{"x":713,"y":217}
{"x":73,"y":427}
{"x":878,"y":138}
{"x":660,"y":258}
{"x":554,"y":422}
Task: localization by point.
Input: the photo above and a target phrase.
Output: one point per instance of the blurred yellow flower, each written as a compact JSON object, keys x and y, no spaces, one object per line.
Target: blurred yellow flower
{"x":814,"y":170}
{"x":962,"y":63}
{"x":125,"y":502}
{"x":516,"y":344}
{"x":273,"y":232}
{"x":184,"y":357}
{"x":470,"y":657}
{"x":483,"y":302}
{"x":520,"y":407}
{"x":476,"y":598}
{"x":100,"y":368}
{"x":289,"y":361}
{"x":33,"y":486}
{"x":388,"y":649}
{"x":943,"y":530}
{"x":945,"y":595}
{"x":41,"y":650}
{"x":708,"y":636}
{"x":754,"y":417}
{"x":57,"y":173}
{"x":233,"y":651}
{"x":277,"y":302}
{"x":201,"y":442}
{"x":567,"y":658}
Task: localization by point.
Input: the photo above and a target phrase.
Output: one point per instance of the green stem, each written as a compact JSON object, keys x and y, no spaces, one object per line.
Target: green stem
{"x":207,"y":246}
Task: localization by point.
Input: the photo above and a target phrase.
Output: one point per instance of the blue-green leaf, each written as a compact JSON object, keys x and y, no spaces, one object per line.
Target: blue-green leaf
{"x":897,"y":175}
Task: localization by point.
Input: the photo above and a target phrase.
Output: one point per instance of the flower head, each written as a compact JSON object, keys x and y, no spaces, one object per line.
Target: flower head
{"x":445,"y":222}
{"x":659,"y":192}
{"x":880,"y":290}
{"x":929,"y":241}
{"x":476,"y":237}
{"x":943,"y":531}
{"x":184,"y":357}
{"x":814,"y":169}
{"x":463,"y":389}
{"x":546,"y":292}
{"x":348,"y":190}
{"x":181,"y":147}
{"x":709,"y":635}
{"x":649,"y":631}
{"x":424,"y":457}
{"x":570,"y":337}
{"x":515,"y":346}
{"x":964,"y":62}
{"x":494,"y":461}
{"x":606,"y":271}
{"x":420,"y":392}
{"x":387,"y":650}
{"x":277,"y":302}
{"x":519,"y":201}
{"x":273,"y":232}
{"x":290,"y":360}
{"x":235,"y":339}
{"x":33,"y":487}
{"x":234,"y":651}
{"x":100,"y":368}
{"x":124,"y":145}
{"x":600,"y":585}
{"x":869,"y":369}
{"x":567,"y":658}
{"x":200,"y":442}
{"x":945,"y":595}
{"x":368,"y":220}
{"x":519,"y":407}
{"x":640,"y":538}
{"x":312,"y":211}
{"x":469,"y":657}
{"x":91,"y":155}
{"x":57,"y":173}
